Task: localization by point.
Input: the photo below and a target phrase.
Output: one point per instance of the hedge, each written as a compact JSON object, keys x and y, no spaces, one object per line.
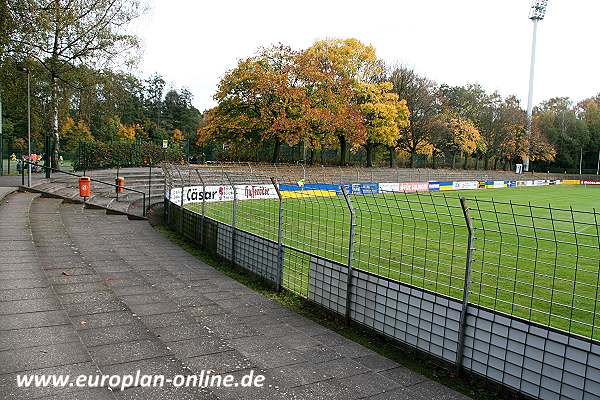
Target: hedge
{"x":99,"y":155}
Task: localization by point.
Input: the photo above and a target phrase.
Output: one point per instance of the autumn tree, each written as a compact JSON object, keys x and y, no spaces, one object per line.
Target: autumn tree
{"x":455,"y":135}
{"x":384,"y":115}
{"x":420,"y":96}
{"x":259,"y":100}
{"x":177,"y":136}
{"x":73,"y":133}
{"x":501,"y":122}
{"x":332,"y":72}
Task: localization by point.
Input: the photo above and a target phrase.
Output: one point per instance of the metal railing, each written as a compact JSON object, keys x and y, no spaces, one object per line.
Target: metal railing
{"x":91,"y":179}
{"x":536,"y":263}
{"x":506,"y":290}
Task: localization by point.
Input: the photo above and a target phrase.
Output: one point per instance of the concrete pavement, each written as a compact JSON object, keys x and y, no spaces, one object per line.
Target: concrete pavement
{"x":82,"y":292}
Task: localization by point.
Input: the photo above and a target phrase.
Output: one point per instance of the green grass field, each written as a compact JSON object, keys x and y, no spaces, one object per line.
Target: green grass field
{"x":540,"y":262}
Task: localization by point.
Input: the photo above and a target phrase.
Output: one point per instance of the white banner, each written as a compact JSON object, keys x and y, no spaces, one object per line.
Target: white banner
{"x":389,"y":187}
{"x":410,"y":187}
{"x":194,"y":194}
{"x":469,"y":185}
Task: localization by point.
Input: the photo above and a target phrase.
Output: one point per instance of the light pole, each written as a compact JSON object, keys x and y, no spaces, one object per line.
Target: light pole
{"x":1,"y":139}
{"x":537,"y":13}
{"x":26,"y":70}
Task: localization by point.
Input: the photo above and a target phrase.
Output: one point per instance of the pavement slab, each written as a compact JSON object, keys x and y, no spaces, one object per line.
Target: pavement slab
{"x":82,"y":292}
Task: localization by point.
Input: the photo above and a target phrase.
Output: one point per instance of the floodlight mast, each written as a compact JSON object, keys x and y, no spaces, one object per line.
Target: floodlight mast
{"x":536,"y":14}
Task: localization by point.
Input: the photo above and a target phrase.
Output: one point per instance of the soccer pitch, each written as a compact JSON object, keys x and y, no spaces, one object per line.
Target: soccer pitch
{"x":538,"y":262}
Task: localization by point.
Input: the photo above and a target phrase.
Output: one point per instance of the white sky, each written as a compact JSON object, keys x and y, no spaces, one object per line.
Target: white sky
{"x":192,"y":42}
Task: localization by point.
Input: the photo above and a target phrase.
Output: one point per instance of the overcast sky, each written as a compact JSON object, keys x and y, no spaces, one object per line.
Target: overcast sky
{"x":192,"y":43}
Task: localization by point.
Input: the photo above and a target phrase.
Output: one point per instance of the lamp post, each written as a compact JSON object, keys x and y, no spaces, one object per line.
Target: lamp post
{"x":2,"y":139}
{"x":26,"y":70}
{"x":536,"y":14}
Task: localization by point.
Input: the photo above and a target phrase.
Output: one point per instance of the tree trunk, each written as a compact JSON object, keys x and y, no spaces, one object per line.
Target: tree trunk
{"x":370,"y":147}
{"x":486,"y":160}
{"x":392,"y":153}
{"x":312,"y":157}
{"x":453,"y":160}
{"x":343,"y":149}
{"x":466,"y":163}
{"x":55,"y":137}
{"x":495,"y":163}
{"x":433,"y":165}
{"x":276,"y":151}
{"x":413,"y":156}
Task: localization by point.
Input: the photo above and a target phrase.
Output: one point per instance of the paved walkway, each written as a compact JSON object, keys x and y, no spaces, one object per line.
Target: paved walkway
{"x":83,"y":292}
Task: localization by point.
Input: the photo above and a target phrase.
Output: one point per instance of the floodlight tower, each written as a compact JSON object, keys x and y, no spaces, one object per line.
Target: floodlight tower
{"x":536,"y":14}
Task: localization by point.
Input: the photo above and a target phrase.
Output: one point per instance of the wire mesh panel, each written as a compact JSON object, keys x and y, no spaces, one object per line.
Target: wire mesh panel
{"x":422,"y":319}
{"x":397,"y":262}
{"x":316,"y":222}
{"x":415,"y":238}
{"x":538,"y":263}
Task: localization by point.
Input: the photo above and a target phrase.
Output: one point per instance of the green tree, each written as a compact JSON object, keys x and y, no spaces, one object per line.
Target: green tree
{"x":62,"y":35}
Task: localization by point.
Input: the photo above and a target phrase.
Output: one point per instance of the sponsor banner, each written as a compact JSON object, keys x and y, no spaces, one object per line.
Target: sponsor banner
{"x":389,"y":187}
{"x":482,"y":185}
{"x":310,"y":186}
{"x":570,"y":182}
{"x":511,"y":184}
{"x":521,"y":183}
{"x":411,"y":187}
{"x":446,"y":186}
{"x":495,"y":184}
{"x":469,"y":185}
{"x":196,"y":194}
{"x":529,"y":183}
{"x":434,"y":186}
{"x":298,"y":194}
{"x":365,"y":188}
{"x":256,"y":192}
{"x":540,"y":182}
{"x":594,"y":182}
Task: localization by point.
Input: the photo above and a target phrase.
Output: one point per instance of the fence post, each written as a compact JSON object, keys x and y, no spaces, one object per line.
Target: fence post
{"x":116,"y":181}
{"x":181,"y":202}
{"x":150,"y":181}
{"x":165,"y":201}
{"x":350,"y":251}
{"x":279,"y":237}
{"x":467,"y":285}
{"x":234,"y":217}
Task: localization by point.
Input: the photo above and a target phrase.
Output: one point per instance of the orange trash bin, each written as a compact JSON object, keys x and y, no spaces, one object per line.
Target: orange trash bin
{"x":120,"y":182}
{"x":85,"y":186}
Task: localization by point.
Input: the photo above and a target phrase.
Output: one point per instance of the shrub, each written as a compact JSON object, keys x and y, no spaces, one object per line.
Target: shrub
{"x":99,"y":155}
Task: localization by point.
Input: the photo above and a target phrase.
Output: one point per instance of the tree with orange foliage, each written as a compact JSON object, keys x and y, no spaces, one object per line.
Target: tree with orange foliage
{"x":384,"y":115}
{"x":131,"y":132}
{"x":260,"y":100}
{"x":72,"y":133}
{"x":455,"y":135}
{"x":177,"y":135}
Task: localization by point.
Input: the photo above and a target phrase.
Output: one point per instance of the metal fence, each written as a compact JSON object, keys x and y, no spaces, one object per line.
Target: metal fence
{"x":509,"y":291}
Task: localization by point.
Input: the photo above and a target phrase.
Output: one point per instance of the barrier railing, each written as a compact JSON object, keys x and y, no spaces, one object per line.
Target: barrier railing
{"x":91,"y":179}
{"x":509,"y":291}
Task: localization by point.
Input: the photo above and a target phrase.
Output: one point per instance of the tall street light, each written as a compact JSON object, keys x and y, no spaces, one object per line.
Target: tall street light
{"x":1,"y":138}
{"x":536,"y":14}
{"x":26,"y":70}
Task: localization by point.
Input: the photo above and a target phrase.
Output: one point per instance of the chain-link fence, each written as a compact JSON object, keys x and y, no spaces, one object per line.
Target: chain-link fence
{"x":491,"y":286}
